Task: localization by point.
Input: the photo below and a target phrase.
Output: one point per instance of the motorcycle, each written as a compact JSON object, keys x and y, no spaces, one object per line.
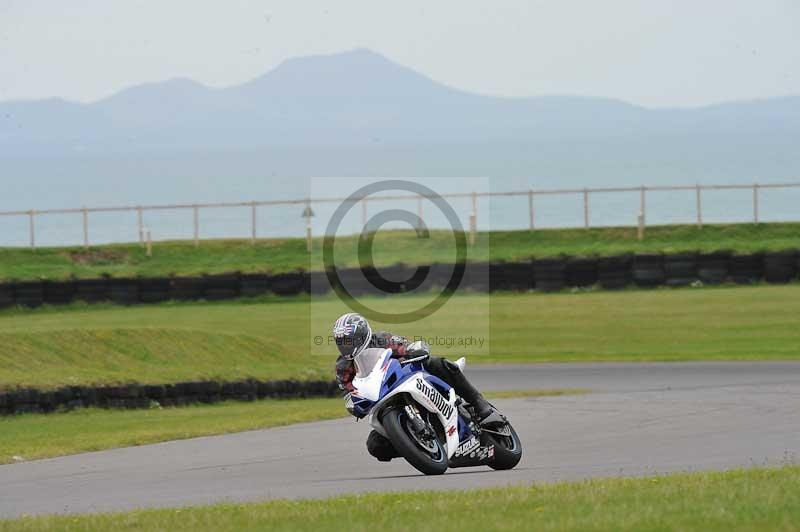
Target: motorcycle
{"x":426,"y":422}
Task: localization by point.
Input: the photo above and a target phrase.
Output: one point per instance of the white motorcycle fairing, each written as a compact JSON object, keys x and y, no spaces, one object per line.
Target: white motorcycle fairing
{"x":416,"y":386}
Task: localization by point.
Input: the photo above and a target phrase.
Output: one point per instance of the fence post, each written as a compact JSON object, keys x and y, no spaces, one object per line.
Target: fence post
{"x":139,"y":225}
{"x":253,"y":226}
{"x":419,"y":212}
{"x":643,"y":205}
{"x":586,"y":208}
{"x":699,"y":207}
{"x":640,"y":229}
{"x":755,"y":204}
{"x":32,"y":228}
{"x":308,"y":214}
{"x":196,"y":210}
{"x":473,"y":219}
{"x":85,"y":228}
{"x":530,"y":208}
{"x":364,"y":211}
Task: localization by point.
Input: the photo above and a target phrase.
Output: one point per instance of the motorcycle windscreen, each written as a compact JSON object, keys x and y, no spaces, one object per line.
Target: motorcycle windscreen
{"x":367,"y":359}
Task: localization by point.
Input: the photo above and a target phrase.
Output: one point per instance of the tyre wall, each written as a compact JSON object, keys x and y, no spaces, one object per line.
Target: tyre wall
{"x":31,"y":400}
{"x":545,"y":275}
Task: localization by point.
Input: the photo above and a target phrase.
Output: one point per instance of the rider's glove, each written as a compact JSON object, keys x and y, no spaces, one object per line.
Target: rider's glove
{"x":345,"y":371}
{"x":418,"y":349}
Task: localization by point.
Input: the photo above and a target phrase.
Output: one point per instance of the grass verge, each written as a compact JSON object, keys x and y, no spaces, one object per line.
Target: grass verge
{"x":233,"y":340}
{"x":33,"y":436}
{"x":750,"y":499}
{"x":280,"y":255}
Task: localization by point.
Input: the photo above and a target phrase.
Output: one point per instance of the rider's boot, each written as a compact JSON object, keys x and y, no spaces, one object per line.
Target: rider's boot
{"x":484,"y":411}
{"x":380,"y":447}
{"x":452,"y":374}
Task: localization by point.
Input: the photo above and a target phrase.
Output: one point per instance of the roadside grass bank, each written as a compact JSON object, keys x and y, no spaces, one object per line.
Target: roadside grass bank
{"x":266,"y":340}
{"x":747,"y":499}
{"x":34,"y":436}
{"x":390,"y":247}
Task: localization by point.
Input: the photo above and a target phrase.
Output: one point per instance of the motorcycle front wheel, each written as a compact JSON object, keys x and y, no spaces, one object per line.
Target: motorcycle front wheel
{"x":507,"y":449}
{"x":427,"y":455}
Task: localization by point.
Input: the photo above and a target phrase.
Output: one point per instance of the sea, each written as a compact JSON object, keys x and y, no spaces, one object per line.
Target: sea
{"x":492,"y":208}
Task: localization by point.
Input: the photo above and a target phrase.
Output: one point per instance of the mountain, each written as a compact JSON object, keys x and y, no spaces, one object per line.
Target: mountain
{"x":352,"y":98}
{"x":358,"y":113}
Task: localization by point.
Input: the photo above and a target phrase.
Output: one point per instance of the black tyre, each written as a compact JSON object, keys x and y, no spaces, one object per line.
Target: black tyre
{"x":582,"y":272}
{"x":428,"y":457}
{"x":287,"y":284}
{"x":549,"y":274}
{"x":507,"y":449}
{"x":614,"y":273}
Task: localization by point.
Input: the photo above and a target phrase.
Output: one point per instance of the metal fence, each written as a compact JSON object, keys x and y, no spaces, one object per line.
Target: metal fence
{"x":307,"y":205}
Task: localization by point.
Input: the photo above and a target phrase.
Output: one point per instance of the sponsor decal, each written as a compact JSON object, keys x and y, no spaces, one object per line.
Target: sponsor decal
{"x":468,"y":446}
{"x":451,"y":430}
{"x":505,"y":430}
{"x":436,"y":398}
{"x":482,"y":454}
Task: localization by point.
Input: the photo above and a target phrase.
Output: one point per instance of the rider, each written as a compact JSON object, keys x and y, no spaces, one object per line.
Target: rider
{"x":353,"y":334}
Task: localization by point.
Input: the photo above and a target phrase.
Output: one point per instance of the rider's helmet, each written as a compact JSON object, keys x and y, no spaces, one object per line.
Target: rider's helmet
{"x":352,"y":334}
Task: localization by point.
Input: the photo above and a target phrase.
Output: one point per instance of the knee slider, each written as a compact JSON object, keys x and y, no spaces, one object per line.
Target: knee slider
{"x":451,"y":367}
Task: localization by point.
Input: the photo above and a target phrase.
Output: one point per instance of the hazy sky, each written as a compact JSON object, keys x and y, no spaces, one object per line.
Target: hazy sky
{"x":654,"y":53}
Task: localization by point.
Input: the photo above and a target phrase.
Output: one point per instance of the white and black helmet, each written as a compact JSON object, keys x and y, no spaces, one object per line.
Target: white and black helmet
{"x":352,"y":334}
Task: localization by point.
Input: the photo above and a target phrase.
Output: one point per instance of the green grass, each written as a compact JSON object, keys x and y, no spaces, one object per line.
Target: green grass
{"x":33,"y":436}
{"x":149,"y":354}
{"x":271,"y":339}
{"x":750,"y":499}
{"x":279,"y":255}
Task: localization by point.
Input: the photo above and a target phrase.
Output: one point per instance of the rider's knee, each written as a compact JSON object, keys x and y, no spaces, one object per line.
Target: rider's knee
{"x":451,"y":367}
{"x":442,"y":368}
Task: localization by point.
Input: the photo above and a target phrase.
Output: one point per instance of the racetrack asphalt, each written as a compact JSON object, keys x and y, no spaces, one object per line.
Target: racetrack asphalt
{"x":639,"y":419}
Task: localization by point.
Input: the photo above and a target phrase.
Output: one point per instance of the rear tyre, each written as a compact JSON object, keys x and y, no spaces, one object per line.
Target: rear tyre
{"x":507,"y":449}
{"x":428,"y":457}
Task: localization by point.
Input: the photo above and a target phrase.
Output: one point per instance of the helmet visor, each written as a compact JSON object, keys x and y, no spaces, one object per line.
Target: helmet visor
{"x":348,"y":346}
{"x":352,"y":333}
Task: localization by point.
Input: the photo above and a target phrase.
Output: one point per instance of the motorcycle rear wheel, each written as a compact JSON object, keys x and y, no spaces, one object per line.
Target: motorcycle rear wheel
{"x":429,"y":462}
